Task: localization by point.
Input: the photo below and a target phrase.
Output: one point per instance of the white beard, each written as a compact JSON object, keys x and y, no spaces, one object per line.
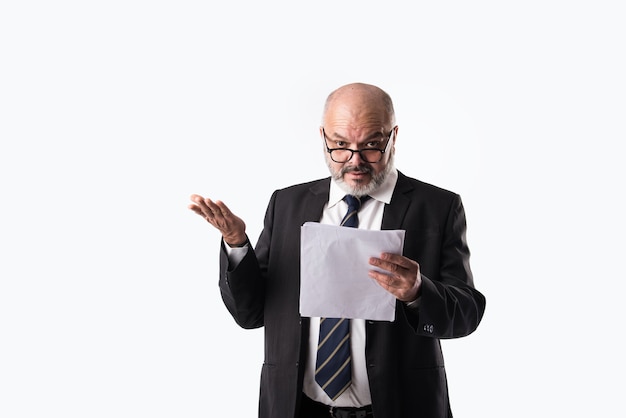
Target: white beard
{"x":361,"y":190}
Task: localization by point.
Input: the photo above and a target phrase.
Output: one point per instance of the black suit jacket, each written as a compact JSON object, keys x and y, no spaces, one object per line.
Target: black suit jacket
{"x":404,"y":360}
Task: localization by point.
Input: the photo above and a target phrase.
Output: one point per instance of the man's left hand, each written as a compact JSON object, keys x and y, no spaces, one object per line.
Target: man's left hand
{"x":402,"y":279}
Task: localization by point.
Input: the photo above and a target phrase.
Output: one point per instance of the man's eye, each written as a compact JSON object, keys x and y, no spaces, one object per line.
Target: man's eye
{"x":372,"y":144}
{"x":340,"y":144}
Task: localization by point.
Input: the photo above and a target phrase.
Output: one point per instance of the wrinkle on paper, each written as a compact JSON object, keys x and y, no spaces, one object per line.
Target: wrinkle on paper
{"x":334,"y":272}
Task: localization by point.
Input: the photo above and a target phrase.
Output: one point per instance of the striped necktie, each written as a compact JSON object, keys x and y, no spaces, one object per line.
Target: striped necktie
{"x":333,"y":368}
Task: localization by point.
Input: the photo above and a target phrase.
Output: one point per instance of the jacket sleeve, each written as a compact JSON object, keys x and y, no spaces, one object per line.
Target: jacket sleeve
{"x":450,"y":306}
{"x":243,"y":287}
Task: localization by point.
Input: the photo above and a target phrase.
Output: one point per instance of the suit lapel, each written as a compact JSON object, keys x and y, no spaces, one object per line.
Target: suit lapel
{"x":395,"y":211}
{"x":314,"y":206}
{"x":316,"y":200}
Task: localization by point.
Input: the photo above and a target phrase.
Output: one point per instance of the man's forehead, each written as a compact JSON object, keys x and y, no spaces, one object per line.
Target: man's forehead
{"x":353,"y":133}
{"x":356,"y":115}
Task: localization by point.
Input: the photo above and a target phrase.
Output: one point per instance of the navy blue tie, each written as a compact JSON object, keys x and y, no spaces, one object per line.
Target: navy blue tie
{"x":333,"y":368}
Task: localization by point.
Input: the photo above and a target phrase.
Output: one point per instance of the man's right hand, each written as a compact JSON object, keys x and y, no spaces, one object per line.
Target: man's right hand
{"x":232,"y":228}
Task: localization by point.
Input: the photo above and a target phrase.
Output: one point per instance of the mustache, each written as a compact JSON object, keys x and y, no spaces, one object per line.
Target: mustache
{"x":364,"y":169}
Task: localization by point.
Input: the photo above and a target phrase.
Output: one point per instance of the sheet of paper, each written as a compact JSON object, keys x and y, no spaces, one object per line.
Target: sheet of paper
{"x":334,"y":267}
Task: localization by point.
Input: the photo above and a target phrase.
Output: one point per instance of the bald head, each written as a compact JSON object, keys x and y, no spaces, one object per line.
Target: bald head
{"x":360,"y":100}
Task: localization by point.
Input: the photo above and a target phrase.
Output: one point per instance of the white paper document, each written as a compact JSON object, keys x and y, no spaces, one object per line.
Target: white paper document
{"x":333,"y":272}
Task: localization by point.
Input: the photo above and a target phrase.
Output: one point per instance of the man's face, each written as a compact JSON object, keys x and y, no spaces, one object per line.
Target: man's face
{"x":356,"y":126}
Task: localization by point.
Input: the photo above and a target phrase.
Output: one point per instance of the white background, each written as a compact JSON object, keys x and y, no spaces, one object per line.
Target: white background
{"x":113,"y":113}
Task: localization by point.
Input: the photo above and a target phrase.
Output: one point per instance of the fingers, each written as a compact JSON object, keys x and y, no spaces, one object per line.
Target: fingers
{"x":208,"y":209}
{"x":216,"y":213}
{"x":398,"y":260}
{"x":393,"y":263}
{"x":221,"y":208}
{"x":387,"y":280}
{"x":401,"y":275}
{"x":211,"y":210}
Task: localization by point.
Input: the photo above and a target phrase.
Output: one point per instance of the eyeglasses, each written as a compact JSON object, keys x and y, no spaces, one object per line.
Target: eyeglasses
{"x":369,"y":155}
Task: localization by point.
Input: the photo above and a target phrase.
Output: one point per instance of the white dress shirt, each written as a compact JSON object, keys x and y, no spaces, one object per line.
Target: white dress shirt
{"x":370,"y":217}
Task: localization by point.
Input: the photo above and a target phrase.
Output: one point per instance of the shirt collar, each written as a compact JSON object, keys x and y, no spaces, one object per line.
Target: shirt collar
{"x":382,"y":194}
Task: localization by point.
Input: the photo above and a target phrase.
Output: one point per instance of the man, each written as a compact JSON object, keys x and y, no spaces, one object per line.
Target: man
{"x":396,"y":368}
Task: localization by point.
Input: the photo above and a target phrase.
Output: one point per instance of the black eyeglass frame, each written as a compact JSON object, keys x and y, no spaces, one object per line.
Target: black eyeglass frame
{"x":360,"y":151}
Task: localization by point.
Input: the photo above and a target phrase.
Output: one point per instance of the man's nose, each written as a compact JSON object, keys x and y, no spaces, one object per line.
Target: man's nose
{"x":356,"y":158}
